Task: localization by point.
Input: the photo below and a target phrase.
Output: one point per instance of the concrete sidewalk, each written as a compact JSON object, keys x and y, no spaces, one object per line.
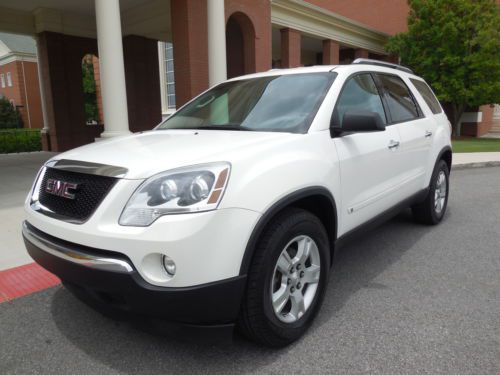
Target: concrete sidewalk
{"x":475,"y":159}
{"x":18,"y":171}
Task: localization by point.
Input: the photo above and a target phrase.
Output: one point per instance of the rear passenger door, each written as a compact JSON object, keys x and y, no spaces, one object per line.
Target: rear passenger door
{"x":415,"y":130}
{"x":369,"y":162}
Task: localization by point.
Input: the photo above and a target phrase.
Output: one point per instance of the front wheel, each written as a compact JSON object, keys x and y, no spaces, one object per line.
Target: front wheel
{"x":287,"y":279}
{"x":433,"y":208}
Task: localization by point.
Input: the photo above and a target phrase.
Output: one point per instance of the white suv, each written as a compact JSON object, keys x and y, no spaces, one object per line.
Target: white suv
{"x":229,"y":211}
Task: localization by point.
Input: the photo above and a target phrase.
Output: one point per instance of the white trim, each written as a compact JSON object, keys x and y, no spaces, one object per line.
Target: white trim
{"x":8,"y":76}
{"x":26,"y":95}
{"x":474,"y":117}
{"x":318,"y":22}
{"x":163,"y":77}
{"x":11,"y":57}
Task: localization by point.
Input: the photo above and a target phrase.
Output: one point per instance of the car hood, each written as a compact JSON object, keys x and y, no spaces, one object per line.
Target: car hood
{"x":148,"y":153}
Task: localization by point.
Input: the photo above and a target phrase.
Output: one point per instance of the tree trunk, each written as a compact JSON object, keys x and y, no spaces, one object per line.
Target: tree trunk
{"x":457,"y":111}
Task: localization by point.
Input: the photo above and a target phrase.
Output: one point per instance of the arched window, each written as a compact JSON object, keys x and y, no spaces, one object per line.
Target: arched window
{"x":240,"y":45}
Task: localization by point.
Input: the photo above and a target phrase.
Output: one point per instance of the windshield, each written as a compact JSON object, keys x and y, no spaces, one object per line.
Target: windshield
{"x":286,"y":103}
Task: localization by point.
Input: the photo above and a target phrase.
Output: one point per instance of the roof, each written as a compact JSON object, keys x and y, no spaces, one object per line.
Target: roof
{"x":17,"y":44}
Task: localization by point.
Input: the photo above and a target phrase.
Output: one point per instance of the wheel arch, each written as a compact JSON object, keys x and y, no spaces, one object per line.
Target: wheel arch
{"x":317,"y":200}
{"x":446,"y":155}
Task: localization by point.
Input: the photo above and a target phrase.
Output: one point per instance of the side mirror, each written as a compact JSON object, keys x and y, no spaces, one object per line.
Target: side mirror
{"x":358,"y":122}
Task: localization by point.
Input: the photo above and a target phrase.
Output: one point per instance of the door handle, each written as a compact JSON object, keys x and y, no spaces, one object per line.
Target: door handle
{"x":393,"y":144}
{"x":428,"y":134}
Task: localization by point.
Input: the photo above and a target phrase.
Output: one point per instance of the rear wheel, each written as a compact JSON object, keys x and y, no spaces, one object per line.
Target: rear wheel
{"x":433,"y":208}
{"x":287,"y":279}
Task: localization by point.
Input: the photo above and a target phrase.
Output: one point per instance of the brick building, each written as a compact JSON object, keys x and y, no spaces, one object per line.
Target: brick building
{"x":203,"y":43}
{"x":19,"y":77}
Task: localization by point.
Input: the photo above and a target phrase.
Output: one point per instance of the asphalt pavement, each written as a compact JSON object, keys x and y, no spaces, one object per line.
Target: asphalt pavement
{"x":403,"y":299}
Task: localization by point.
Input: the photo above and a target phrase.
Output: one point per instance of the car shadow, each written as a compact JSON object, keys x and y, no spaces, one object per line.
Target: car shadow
{"x":129,"y":348}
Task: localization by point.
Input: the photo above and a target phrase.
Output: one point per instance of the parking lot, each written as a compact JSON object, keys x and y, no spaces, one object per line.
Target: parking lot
{"x":403,"y":299}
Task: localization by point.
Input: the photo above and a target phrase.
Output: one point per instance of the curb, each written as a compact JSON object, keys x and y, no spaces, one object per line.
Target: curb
{"x":476,"y":165}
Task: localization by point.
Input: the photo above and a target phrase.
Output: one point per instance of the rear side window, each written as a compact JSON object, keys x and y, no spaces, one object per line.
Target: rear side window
{"x":428,"y":95}
{"x":359,"y":94}
{"x":402,"y":107}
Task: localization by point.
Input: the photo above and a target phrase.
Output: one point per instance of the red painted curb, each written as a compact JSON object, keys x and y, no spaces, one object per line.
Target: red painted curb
{"x":21,"y":281}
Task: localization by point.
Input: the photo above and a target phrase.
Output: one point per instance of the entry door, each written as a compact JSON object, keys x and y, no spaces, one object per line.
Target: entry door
{"x":370,"y":168}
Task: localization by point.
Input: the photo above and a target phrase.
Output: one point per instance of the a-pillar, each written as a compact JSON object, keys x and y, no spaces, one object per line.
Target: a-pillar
{"x":331,"y":52}
{"x":112,"y":68}
{"x":290,"y":48}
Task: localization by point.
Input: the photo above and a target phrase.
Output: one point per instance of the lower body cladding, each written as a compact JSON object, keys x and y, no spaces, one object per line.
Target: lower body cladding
{"x":108,"y":281}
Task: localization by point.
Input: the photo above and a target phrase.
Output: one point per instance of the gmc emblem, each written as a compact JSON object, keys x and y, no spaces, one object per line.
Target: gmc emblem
{"x":60,"y":188}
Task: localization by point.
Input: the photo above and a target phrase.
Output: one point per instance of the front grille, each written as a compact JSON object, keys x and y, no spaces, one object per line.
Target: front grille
{"x":91,"y":190}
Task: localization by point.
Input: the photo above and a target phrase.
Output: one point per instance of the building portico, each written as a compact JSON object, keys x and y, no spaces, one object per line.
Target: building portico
{"x":212,"y":40}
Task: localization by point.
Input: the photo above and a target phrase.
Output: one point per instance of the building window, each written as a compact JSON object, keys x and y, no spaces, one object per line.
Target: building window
{"x":9,"y":79}
{"x":2,"y":80}
{"x":169,"y":74}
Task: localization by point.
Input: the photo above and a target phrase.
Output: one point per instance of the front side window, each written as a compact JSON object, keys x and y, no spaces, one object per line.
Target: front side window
{"x":359,"y":94}
{"x":401,"y":104}
{"x":428,"y":95}
{"x":286,"y":103}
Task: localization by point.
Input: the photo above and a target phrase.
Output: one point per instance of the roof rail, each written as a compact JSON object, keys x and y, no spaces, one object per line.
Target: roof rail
{"x":383,"y":63}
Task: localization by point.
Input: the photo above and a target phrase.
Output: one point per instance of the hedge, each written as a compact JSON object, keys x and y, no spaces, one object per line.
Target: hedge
{"x":20,"y":140}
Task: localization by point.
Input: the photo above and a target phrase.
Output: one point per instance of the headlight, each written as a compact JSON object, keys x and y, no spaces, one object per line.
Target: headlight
{"x":194,"y":189}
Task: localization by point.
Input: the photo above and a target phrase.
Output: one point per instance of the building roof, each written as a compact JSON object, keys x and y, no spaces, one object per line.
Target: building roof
{"x":17,"y":44}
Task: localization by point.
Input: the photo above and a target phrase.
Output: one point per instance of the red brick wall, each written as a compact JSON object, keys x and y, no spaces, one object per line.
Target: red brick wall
{"x":388,"y":16}
{"x":12,"y":93}
{"x":487,"y":121}
{"x":98,"y":90}
{"x":142,"y":75}
{"x":61,"y":64}
{"x":25,"y":91}
{"x":478,"y":129}
{"x":190,"y":42}
{"x":258,"y":13}
{"x":290,"y":48}
{"x":189,"y":38}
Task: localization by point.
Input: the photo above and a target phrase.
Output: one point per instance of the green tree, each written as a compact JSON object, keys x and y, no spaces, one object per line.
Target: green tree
{"x":9,"y":116}
{"x":89,"y":91}
{"x":455,"y":46}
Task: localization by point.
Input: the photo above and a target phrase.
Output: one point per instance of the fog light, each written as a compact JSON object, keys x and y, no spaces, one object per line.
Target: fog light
{"x":169,"y":265}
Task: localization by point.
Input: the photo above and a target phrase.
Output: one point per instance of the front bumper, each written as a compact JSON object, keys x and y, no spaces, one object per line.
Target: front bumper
{"x":110,"y":280}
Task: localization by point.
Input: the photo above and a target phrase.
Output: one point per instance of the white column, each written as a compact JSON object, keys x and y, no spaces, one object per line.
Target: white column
{"x":217,"y":71}
{"x":41,"y":83}
{"x":112,"y":68}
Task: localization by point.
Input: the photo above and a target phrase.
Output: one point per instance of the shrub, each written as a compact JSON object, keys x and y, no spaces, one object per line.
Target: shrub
{"x":20,"y":140}
{"x":10,"y":117}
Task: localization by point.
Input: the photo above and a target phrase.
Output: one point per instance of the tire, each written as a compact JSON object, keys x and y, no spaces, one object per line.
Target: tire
{"x":427,"y":212}
{"x":289,"y":231}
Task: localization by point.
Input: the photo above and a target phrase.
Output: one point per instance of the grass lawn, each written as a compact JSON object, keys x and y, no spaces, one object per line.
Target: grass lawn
{"x":476,"y":145}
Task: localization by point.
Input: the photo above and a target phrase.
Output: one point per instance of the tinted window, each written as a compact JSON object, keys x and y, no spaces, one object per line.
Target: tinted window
{"x":286,"y":103}
{"x":428,"y":95}
{"x":401,"y":104}
{"x":359,"y":94}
